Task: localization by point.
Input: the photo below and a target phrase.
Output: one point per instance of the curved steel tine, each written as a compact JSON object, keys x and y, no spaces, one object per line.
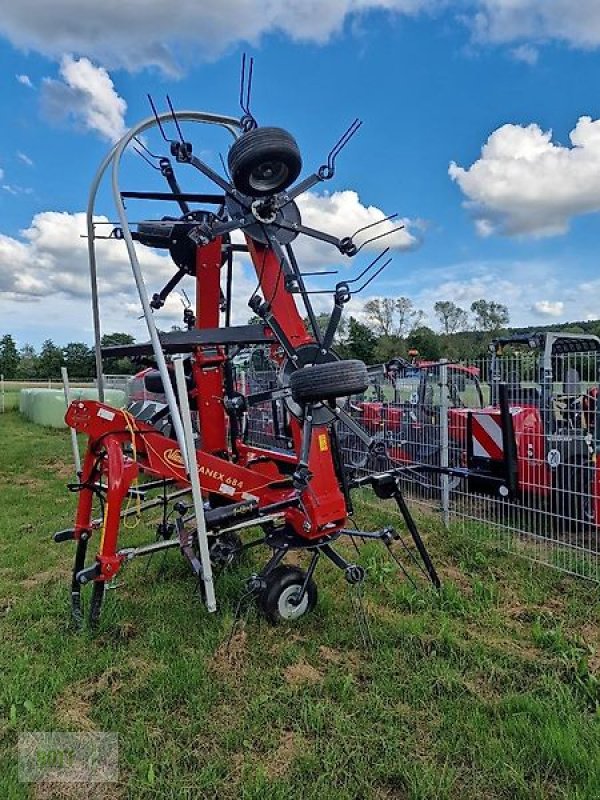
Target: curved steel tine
{"x":373,"y":224}
{"x":341,"y":143}
{"x":158,"y":122}
{"x":224,"y":165}
{"x":145,"y":147}
{"x":369,"y":266}
{"x":146,"y":159}
{"x":372,"y":277}
{"x":380,"y":236}
{"x":175,"y":120}
{"x":243,"y":83}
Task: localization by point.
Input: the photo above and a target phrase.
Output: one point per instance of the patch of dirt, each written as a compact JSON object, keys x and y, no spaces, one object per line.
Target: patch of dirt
{"x":290,"y":744}
{"x":63,"y":469}
{"x":74,"y":705}
{"x":40,"y":578}
{"x":83,"y":790}
{"x":230,"y":656}
{"x":302,"y":672}
{"x":23,"y":480}
{"x":457,"y":577}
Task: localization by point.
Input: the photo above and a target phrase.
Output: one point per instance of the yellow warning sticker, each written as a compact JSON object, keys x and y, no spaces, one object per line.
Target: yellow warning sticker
{"x":323,"y":444}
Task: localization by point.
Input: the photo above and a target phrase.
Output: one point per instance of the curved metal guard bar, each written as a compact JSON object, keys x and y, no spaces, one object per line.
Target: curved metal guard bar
{"x":230,"y":123}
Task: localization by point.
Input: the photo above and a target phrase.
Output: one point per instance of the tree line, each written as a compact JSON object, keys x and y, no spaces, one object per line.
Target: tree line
{"x":27,"y":364}
{"x":389,"y":326}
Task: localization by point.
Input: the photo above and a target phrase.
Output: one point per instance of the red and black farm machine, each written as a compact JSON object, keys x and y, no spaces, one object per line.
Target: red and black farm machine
{"x":188,"y":456}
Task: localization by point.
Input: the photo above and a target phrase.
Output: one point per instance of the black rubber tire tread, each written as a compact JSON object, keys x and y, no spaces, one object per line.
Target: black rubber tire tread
{"x":259,"y":145}
{"x":96,"y":604}
{"x":278,"y":580}
{"x":329,"y":381}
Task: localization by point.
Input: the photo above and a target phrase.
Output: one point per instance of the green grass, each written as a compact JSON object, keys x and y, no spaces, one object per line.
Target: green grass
{"x":487,"y":690}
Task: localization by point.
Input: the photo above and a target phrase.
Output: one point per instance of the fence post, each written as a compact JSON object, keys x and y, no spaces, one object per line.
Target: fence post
{"x":444,"y":440}
{"x":74,"y":446}
{"x":2,"y":404}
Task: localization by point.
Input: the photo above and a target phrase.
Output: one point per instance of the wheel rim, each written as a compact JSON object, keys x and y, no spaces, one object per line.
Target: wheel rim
{"x":268,"y":176}
{"x":285,"y":605}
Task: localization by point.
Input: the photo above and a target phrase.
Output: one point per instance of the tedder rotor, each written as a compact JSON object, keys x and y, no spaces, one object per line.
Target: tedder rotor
{"x":212,"y":484}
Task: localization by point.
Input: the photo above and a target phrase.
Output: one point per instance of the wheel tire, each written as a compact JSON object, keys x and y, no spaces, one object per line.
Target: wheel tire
{"x":329,"y":381}
{"x":282,"y":584}
{"x":96,"y":604}
{"x":264,"y":161}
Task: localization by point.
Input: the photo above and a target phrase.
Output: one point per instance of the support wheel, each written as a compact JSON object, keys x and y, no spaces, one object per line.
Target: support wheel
{"x":96,"y":604}
{"x":279,"y":599}
{"x":264,"y":161}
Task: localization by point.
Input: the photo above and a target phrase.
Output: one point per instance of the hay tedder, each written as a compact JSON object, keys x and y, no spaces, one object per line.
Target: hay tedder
{"x":188,"y":456}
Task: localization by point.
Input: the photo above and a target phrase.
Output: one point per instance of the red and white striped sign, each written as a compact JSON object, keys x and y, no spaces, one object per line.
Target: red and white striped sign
{"x":487,"y":436}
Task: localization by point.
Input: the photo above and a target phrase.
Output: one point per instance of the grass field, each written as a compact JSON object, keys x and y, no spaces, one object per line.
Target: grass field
{"x":488,"y":690}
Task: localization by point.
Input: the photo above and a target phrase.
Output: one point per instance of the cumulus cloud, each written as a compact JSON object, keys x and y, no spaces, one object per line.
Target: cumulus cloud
{"x":164,"y":35}
{"x":119,"y":35}
{"x":341,"y":214}
{"x":49,"y":260}
{"x":86,"y":94}
{"x":547,"y":308}
{"x":524,"y":183}
{"x":25,"y":80}
{"x":50,"y":257}
{"x":502,"y":21}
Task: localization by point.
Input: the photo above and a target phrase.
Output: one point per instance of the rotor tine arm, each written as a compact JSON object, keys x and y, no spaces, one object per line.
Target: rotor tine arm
{"x":332,"y":326}
{"x":344,"y":417}
{"x":215,"y":178}
{"x":166,"y":170}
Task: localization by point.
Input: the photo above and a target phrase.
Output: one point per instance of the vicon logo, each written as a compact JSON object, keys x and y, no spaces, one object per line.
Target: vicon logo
{"x":173,"y":457}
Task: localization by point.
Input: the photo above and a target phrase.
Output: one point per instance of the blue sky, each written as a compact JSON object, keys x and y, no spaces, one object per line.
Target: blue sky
{"x":432,"y":82}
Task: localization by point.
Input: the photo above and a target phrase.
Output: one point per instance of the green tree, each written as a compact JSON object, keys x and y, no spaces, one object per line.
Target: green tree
{"x":28,"y":361}
{"x":9,"y":357}
{"x":360,"y":342}
{"x":118,"y":366}
{"x":392,"y":316}
{"x":452,"y":318}
{"x":49,"y":360}
{"x":490,"y":316}
{"x":427,"y":342}
{"x":79,"y":360}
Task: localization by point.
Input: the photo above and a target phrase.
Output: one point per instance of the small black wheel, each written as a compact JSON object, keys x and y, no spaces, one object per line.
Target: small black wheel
{"x":329,"y":381}
{"x":279,"y":599}
{"x":264,"y":161}
{"x":225,"y":550}
{"x":96,"y":604}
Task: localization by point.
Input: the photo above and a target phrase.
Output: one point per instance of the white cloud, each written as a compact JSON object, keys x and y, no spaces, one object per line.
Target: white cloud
{"x":162,"y":34}
{"x":120,"y":34}
{"x":25,"y":80}
{"x":50,"y":257}
{"x":524,"y":183}
{"x":500,"y":21}
{"x":341,"y":214}
{"x":547,"y":308}
{"x":87,"y":95}
{"x":525,"y":53}
{"x":25,"y":159}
